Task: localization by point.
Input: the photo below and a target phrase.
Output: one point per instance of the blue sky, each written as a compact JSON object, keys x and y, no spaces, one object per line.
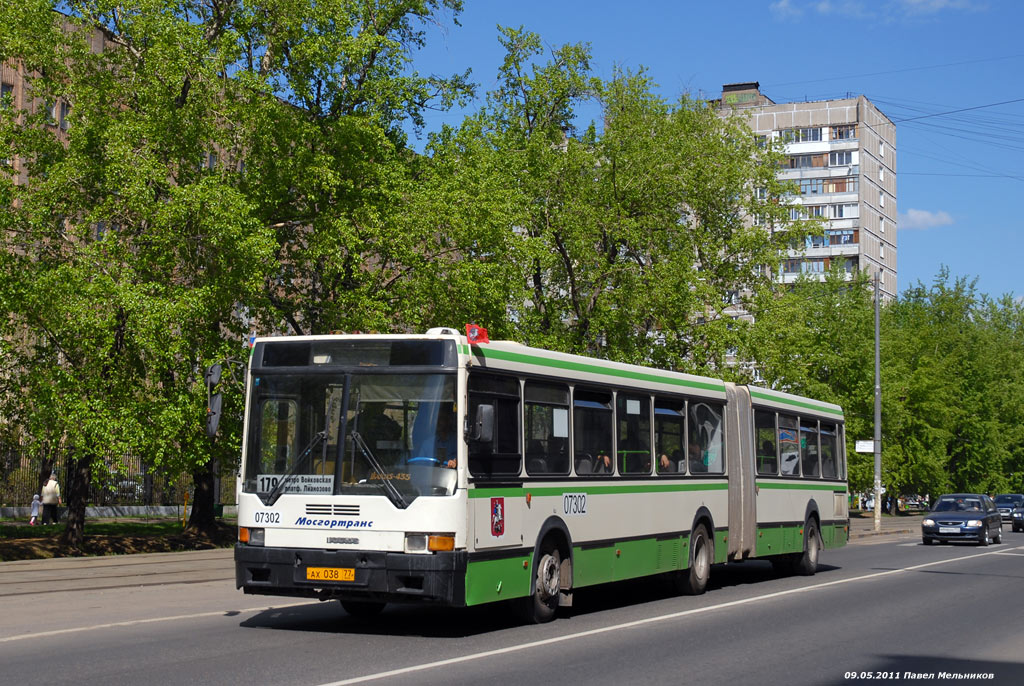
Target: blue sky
{"x":957,"y":173}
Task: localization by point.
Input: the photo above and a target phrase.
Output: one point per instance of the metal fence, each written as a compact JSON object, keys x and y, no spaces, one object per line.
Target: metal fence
{"x":127,"y":480}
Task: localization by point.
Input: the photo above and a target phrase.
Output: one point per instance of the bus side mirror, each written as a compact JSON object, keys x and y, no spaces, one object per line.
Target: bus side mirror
{"x":483,"y":425}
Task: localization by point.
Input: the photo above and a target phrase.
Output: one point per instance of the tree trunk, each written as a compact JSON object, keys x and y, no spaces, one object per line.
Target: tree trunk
{"x":202,"y":517}
{"x":76,"y":496}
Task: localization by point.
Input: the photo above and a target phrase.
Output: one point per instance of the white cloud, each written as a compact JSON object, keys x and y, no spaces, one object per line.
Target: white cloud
{"x":923,"y":219}
{"x":785,"y":8}
{"x":932,"y":6}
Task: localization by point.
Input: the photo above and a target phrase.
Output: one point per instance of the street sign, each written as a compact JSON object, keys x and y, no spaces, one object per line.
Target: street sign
{"x":865,"y":447}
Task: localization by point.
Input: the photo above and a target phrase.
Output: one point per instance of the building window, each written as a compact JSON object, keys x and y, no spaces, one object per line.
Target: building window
{"x":791,"y":266}
{"x":846,"y":211}
{"x":881,"y":224}
{"x":6,"y":95}
{"x":816,"y":241}
{"x":844,"y":132}
{"x":881,"y":199}
{"x":211,"y":161}
{"x":62,"y":119}
{"x":881,"y":173}
{"x":844,"y":184}
{"x":812,"y":186}
{"x":805,"y":161}
{"x":840,"y":158}
{"x":801,"y":135}
{"x":881,"y":148}
{"x":813,"y":266}
{"x":881,"y":252}
{"x":840,"y":237}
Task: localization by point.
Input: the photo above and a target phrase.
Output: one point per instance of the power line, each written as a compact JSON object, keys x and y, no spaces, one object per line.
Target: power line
{"x":965,"y":109}
{"x":894,"y":71}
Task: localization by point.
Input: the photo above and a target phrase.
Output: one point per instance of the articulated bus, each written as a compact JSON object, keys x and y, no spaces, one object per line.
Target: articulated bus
{"x":428,"y":468}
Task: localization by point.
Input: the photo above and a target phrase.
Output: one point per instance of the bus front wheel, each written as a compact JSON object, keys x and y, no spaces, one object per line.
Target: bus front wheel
{"x":541,"y":604}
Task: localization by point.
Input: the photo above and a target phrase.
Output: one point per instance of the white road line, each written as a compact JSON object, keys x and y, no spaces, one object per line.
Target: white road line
{"x":153,"y":620}
{"x":640,"y":622}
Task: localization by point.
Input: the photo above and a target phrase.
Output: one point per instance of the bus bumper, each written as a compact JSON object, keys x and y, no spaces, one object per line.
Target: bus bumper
{"x":379,"y":576}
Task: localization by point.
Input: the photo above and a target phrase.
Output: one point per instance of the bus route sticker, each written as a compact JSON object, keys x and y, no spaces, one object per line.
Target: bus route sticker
{"x":497,"y":517}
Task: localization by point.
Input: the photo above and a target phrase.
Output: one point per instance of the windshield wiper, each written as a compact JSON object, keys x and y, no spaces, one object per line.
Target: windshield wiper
{"x":271,"y":498}
{"x":389,"y":488}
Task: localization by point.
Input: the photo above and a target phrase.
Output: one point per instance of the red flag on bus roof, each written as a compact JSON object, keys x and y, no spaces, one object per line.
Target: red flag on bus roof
{"x":476,"y":334}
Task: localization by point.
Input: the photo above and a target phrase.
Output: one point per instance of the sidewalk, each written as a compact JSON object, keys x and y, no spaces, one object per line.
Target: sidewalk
{"x":862,"y":525}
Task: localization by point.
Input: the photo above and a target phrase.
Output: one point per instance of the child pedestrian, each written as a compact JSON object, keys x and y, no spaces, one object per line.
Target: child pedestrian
{"x":35,"y":509}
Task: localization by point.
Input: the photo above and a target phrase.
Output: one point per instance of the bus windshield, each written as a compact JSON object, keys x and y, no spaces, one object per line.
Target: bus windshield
{"x":369,"y":434}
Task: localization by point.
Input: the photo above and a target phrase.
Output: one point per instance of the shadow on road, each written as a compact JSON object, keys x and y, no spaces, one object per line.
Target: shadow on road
{"x":437,"y":622}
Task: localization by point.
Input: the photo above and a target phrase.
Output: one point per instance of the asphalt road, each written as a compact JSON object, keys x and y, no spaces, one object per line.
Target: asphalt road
{"x":884,"y":605}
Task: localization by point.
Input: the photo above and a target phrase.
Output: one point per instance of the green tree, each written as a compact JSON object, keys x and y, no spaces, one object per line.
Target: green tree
{"x":630,"y":233}
{"x":226,"y":166}
{"x":816,"y":338}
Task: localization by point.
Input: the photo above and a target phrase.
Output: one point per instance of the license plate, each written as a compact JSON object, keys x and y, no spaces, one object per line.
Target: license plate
{"x":330,"y":574}
{"x":949,"y":529}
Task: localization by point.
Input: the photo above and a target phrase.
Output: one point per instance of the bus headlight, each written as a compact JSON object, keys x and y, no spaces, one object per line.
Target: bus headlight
{"x":422,"y":543}
{"x":415,"y":543}
{"x":251,"y":535}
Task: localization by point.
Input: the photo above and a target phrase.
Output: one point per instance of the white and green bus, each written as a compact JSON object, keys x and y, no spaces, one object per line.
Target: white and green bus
{"x":424,"y":468}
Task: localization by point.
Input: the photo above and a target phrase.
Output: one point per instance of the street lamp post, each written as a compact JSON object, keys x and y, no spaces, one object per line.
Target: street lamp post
{"x":878,"y":418}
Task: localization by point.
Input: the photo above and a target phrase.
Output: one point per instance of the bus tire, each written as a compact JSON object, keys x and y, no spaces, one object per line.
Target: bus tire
{"x":540,"y":606}
{"x":702,"y":554}
{"x":807,"y":562}
{"x":363,"y":609}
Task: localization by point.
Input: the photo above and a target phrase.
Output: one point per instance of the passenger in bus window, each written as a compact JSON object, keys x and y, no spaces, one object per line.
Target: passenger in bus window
{"x":603,"y":463}
{"x":669,"y":464}
{"x":696,"y":457}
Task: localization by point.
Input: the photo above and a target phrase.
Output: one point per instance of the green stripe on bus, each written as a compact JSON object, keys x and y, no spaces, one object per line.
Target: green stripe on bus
{"x":783,"y":540}
{"x":591,"y":489}
{"x":523,"y":358}
{"x":802,"y":486}
{"x":798,"y":403}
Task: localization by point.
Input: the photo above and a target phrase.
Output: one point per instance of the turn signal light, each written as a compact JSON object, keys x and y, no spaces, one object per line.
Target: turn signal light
{"x":441,"y":543}
{"x":243,"y":534}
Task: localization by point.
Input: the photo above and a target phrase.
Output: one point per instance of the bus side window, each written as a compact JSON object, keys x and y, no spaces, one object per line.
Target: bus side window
{"x":705,"y":438}
{"x":634,"y":419}
{"x":764,"y":437}
{"x":501,"y":455}
{"x":809,"y":447}
{"x":829,"y":468}
{"x":670,"y":436}
{"x":789,"y":445}
{"x":592,"y":431}
{"x":546,"y":408}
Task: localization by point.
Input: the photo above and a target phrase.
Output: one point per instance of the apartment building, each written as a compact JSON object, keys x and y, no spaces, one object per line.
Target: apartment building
{"x":841,"y":154}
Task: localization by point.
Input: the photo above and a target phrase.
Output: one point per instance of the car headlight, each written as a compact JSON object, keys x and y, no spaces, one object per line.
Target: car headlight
{"x":974,"y":522}
{"x":928,"y":522}
{"x":1018,"y":515}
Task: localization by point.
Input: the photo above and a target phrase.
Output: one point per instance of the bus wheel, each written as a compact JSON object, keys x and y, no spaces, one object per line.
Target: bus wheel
{"x":702,"y":553}
{"x":540,"y":605}
{"x":363,"y":609}
{"x":807,"y":562}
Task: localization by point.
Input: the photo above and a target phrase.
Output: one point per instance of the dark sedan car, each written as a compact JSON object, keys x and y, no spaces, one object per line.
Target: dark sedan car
{"x":1007,"y":504}
{"x":963,"y":517}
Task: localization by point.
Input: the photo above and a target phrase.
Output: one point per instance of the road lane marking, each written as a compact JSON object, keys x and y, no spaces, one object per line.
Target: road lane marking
{"x":151,"y":620}
{"x":547,"y":642}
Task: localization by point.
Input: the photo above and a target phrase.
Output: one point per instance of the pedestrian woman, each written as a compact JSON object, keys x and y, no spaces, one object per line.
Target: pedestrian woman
{"x":51,"y":499}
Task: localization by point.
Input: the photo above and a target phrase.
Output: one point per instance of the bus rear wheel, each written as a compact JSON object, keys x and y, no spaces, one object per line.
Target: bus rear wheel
{"x":541,"y":604}
{"x":807,"y":562}
{"x":694,"y":581}
{"x":363,"y":609}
